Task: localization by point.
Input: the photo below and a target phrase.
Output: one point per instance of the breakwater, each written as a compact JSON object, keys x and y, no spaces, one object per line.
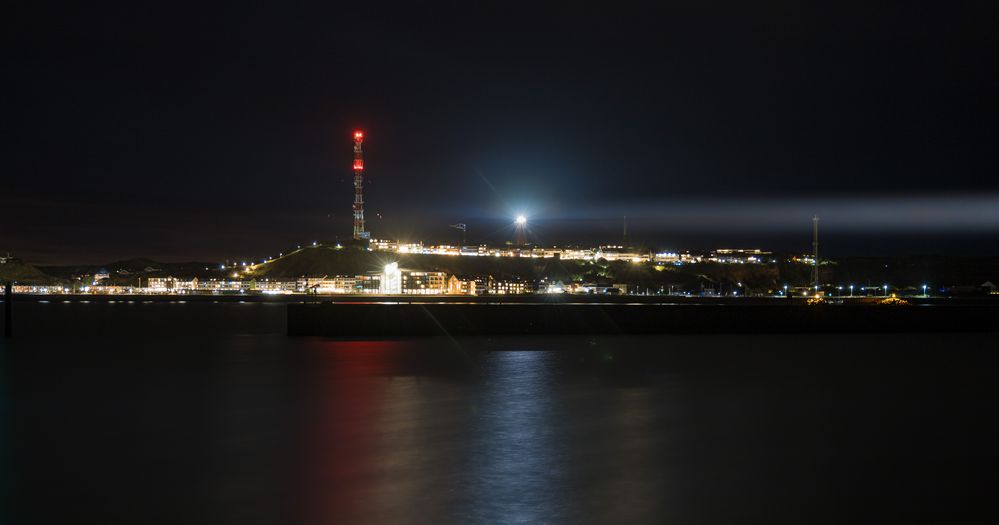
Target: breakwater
{"x":362,"y":320}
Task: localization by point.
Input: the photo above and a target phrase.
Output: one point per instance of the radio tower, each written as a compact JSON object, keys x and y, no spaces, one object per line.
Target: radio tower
{"x":359,"y":232}
{"x":815,"y":253}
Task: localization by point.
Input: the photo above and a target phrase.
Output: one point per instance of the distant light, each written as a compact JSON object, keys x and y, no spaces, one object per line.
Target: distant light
{"x":521,"y":219}
{"x":313,"y":243}
{"x":358,"y":134}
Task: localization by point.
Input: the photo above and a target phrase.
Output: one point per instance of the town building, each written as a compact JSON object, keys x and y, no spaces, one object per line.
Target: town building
{"x":509,"y":287}
{"x":468,"y":285}
{"x":170,"y":284}
{"x":424,"y":283}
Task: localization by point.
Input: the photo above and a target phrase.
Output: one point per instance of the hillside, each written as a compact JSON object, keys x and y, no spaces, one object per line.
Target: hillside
{"x":323,"y":261}
{"x":25,"y":274}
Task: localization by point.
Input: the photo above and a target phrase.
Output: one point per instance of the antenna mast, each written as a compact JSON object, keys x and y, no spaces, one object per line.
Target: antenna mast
{"x":815,"y":252}
{"x":359,"y":232}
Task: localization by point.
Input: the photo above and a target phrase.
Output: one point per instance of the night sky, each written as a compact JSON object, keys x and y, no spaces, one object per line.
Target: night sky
{"x":204,"y":133}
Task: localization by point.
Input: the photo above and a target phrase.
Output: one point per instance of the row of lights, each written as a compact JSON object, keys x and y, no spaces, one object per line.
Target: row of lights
{"x":520,"y":220}
{"x":840,"y":288}
{"x":269,"y":259}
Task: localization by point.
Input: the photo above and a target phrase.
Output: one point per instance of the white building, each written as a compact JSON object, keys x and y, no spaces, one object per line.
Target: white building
{"x":391,"y":279}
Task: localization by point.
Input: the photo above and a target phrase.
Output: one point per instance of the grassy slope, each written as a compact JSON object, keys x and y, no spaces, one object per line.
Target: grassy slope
{"x":25,"y":274}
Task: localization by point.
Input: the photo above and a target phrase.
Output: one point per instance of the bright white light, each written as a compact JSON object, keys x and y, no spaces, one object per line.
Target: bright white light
{"x":521,"y":219}
{"x":392,"y":279}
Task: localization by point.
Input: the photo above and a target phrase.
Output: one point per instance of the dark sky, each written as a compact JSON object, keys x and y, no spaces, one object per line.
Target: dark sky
{"x":210,"y":133}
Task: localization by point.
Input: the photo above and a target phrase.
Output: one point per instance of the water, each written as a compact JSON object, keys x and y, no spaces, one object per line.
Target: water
{"x":207,"y":413}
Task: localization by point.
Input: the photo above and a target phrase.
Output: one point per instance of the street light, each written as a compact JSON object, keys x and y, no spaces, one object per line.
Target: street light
{"x":851,"y":290}
{"x":924,"y":290}
{"x":886,"y":290}
{"x":521,"y":220}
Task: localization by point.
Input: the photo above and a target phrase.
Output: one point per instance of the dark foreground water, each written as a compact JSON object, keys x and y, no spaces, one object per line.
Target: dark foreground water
{"x":207,"y":413}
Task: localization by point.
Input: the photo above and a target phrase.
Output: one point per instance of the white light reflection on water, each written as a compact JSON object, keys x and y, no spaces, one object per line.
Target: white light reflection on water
{"x":516,"y":472}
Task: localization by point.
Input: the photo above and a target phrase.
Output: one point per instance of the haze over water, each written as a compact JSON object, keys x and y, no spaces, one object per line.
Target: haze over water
{"x":208,"y":413}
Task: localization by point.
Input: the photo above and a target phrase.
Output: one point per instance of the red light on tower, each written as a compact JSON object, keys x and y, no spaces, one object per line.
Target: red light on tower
{"x":359,"y":232}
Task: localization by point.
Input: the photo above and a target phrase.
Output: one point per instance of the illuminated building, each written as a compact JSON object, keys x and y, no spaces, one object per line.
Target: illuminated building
{"x":474,"y":251}
{"x":391,"y":279}
{"x":370,"y":283}
{"x":268,"y":286}
{"x":36,"y":289}
{"x":739,"y":256}
{"x":383,"y":245}
{"x":618,"y":253}
{"x":413,"y":247}
{"x":424,"y":283}
{"x":666,"y":257}
{"x":218,"y":286}
{"x":170,"y":284}
{"x":509,"y":287}
{"x":336,"y":284}
{"x":468,"y":285}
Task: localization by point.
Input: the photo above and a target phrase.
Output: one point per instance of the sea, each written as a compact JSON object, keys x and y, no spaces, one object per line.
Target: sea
{"x":207,"y":412}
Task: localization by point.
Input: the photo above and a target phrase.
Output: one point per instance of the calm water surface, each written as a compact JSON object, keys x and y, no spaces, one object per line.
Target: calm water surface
{"x":207,"y":413}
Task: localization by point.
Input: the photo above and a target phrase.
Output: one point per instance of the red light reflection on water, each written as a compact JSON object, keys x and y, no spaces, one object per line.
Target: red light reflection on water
{"x":341,"y":449}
